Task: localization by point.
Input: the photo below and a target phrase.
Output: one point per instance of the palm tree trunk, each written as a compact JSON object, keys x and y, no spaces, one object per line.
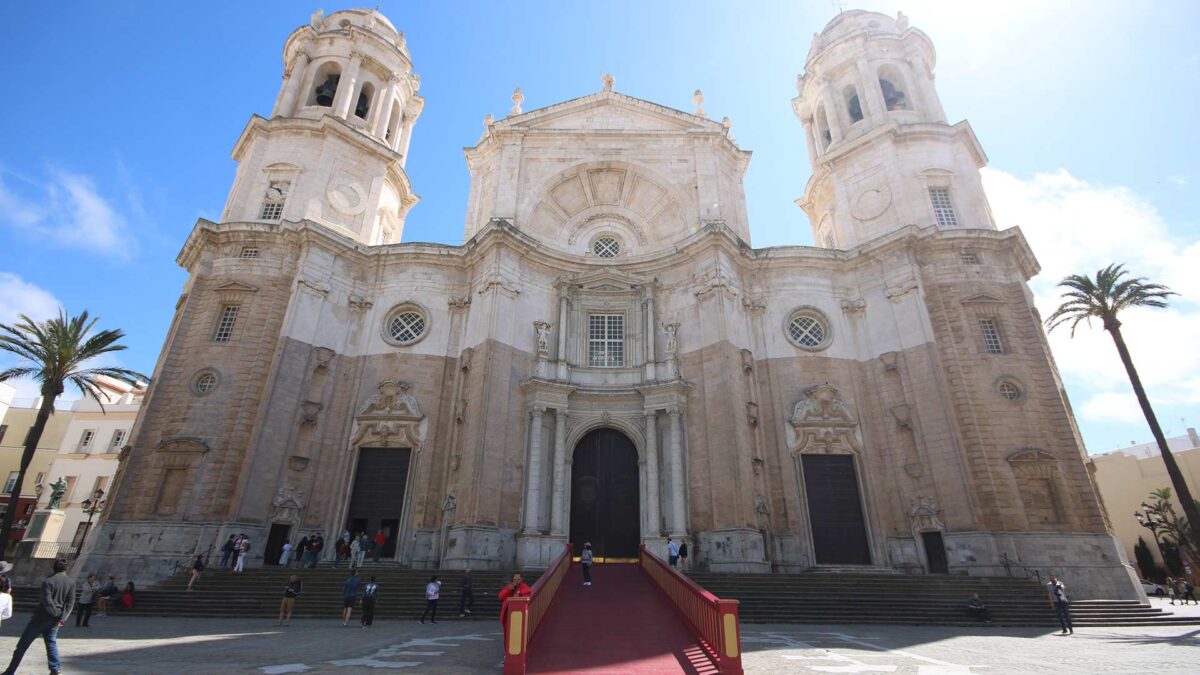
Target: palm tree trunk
{"x":31,"y":444}
{"x":1177,"y":480}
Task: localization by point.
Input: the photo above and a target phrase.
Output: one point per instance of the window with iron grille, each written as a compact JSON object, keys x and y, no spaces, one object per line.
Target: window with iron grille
{"x":3,"y":431}
{"x":943,"y":210}
{"x":406,"y":326}
{"x":991,"y":336}
{"x":606,"y":340}
{"x":249,"y":251}
{"x":271,"y":211}
{"x":808,"y":329}
{"x":225,"y":325}
{"x":606,"y":247}
{"x":1009,"y":391}
{"x":11,"y":482}
{"x":970,"y":258}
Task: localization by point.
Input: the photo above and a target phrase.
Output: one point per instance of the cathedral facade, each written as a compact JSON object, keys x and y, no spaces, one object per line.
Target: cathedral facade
{"x":606,"y":358}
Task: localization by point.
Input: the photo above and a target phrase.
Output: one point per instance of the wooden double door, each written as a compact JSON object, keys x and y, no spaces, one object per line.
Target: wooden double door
{"x":835,"y":512}
{"x":605,"y":503}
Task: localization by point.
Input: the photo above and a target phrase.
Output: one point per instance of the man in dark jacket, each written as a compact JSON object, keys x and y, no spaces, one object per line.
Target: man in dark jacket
{"x":57,"y":601}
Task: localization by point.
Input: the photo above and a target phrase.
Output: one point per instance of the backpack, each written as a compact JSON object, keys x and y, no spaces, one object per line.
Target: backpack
{"x":683,"y":552}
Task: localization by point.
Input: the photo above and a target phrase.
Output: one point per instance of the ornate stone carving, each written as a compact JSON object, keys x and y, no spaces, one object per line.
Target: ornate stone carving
{"x":754,"y":302}
{"x":854,"y":305}
{"x":760,"y":505}
{"x":322,"y":356}
{"x":900,"y":290}
{"x":609,"y":81}
{"x":297,"y":462}
{"x":314,"y":286}
{"x":359,"y":302}
{"x":389,"y":417}
{"x":747,"y":360}
{"x":498,"y":282}
{"x":309,"y":411}
{"x":465,"y":359}
{"x":543,"y":337}
{"x":234,"y":292}
{"x":698,"y":101}
{"x":1033,"y":463}
{"x":459,"y":302}
{"x":890,"y":360}
{"x":924,"y":515}
{"x":716,"y":279}
{"x":822,"y":423}
{"x":287,"y":504}
{"x":671,"y":346}
{"x":517,"y":98}
{"x":752,"y":413}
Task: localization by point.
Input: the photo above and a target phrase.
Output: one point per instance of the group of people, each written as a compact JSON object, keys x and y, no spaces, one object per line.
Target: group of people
{"x":234,"y":549}
{"x":1182,"y":590}
{"x":355,"y":548}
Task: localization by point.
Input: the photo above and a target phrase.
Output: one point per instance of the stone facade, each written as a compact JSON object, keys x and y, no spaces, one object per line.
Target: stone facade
{"x":905,"y":347}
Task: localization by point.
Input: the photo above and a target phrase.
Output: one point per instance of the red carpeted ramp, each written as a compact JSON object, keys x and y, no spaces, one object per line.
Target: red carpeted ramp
{"x":619,"y":624}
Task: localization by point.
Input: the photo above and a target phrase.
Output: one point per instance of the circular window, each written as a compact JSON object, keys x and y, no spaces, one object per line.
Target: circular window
{"x":808,"y":328}
{"x":1009,"y":391}
{"x":405,"y":325}
{"x":606,"y":247}
{"x":204,"y":382}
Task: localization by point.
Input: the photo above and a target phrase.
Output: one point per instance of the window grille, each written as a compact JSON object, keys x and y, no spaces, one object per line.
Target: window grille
{"x":606,"y":247}
{"x":406,"y":326}
{"x":3,"y":432}
{"x":1009,"y":391}
{"x":251,"y":251}
{"x":11,"y":482}
{"x":991,"y":336}
{"x":970,"y":259}
{"x":206,"y":383}
{"x":271,"y":210}
{"x":225,"y":325}
{"x":806,"y":331}
{"x":606,"y":340}
{"x":943,"y":210}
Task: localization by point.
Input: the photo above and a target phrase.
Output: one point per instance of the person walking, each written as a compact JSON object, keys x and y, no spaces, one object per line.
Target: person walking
{"x":227,"y":551}
{"x":1181,"y":590}
{"x":672,"y":552}
{"x":1061,"y":602}
{"x":683,"y":555}
{"x":106,"y":593}
{"x":1189,"y":591}
{"x":301,"y":551}
{"x":361,"y":545}
{"x":87,"y":593}
{"x":1170,"y":584}
{"x":57,"y":601}
{"x":350,"y":589}
{"x":290,"y":592}
{"x":285,"y":556}
{"x":585,"y":559}
{"x":370,"y":594}
{"x":197,"y":570}
{"x":433,"y":590}
{"x":380,"y":540}
{"x":6,"y":601}
{"x":466,"y":594}
{"x":315,"y":546}
{"x":242,"y":549}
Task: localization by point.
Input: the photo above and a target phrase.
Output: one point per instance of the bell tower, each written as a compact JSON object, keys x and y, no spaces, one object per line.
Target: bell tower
{"x":882,"y":154}
{"x":334,"y":150}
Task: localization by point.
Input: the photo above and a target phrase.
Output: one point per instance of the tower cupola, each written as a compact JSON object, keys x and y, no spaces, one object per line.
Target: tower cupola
{"x":883,"y":156}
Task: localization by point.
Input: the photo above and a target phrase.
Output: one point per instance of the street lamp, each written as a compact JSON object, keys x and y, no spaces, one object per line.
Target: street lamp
{"x":1153,"y":525}
{"x":91,"y":507}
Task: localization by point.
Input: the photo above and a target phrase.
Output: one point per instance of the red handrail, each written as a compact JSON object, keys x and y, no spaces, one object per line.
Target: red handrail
{"x":713,"y":621}
{"x":522,"y":615}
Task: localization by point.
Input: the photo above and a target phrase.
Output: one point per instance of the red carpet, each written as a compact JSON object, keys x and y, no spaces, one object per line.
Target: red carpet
{"x":619,"y":624}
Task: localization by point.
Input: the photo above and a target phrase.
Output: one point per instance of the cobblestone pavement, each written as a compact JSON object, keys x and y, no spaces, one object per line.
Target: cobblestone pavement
{"x":193,"y":645}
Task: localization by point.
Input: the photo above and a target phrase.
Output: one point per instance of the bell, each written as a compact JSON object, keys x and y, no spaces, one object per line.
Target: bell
{"x":326,"y":91}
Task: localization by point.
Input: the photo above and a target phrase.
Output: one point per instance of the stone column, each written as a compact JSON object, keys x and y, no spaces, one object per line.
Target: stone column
{"x":922,"y":81}
{"x":652,"y":502}
{"x":533,"y":472}
{"x":406,"y":136}
{"x":347,"y":84}
{"x":810,"y":136}
{"x":651,"y":328}
{"x":678,"y":484}
{"x":871,"y":97}
{"x":562,"y":333}
{"x":833,"y":112}
{"x":383,"y":109}
{"x":558,"y":494}
{"x":295,"y":78}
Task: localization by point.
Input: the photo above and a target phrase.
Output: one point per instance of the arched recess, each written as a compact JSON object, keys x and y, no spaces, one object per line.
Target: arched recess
{"x":324,"y":84}
{"x":894,"y":88}
{"x":387,"y":436}
{"x":178,"y":460}
{"x":557,"y":205}
{"x":606,"y":479}
{"x":830,"y":480}
{"x":1039,"y":485}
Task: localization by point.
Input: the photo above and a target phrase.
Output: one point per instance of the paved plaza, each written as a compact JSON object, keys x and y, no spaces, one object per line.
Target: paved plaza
{"x":208,"y":645}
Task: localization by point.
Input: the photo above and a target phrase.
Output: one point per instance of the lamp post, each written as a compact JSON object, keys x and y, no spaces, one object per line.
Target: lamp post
{"x":91,"y":507}
{"x":1153,"y":525}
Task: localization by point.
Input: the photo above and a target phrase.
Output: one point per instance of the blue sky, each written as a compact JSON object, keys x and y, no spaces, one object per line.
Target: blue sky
{"x":121,"y":117}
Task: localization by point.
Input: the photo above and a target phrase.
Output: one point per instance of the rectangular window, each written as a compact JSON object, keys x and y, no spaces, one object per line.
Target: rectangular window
{"x":249,"y":252}
{"x":943,"y":210}
{"x":41,"y":478}
{"x":12,"y":480}
{"x":271,"y":210}
{"x":606,"y":340}
{"x":225,"y":324}
{"x":3,"y":431}
{"x":71,"y":480}
{"x":170,"y":491}
{"x":85,"y":441}
{"x":99,"y":486}
{"x":991,"y":336}
{"x":969,"y":258}
{"x":117,"y":439}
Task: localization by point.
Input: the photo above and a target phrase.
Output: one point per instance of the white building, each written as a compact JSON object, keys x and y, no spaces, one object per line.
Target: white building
{"x":90,"y":452}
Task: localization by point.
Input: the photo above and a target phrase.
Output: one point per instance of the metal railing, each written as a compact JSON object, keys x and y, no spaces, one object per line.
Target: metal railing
{"x":57,"y":550}
{"x":713,"y":620}
{"x":1030,"y":573}
{"x":523,"y":615}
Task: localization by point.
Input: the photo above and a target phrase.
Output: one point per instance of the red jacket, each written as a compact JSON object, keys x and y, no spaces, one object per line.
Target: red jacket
{"x":523,"y":591}
{"x":380,"y":539}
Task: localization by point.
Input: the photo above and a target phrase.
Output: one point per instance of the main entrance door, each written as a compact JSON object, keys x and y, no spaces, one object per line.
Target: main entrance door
{"x":378,"y":497}
{"x":835,"y":510}
{"x":605,"y":508}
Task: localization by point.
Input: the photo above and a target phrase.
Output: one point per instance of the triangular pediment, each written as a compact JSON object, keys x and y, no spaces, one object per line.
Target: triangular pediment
{"x":606,"y":280}
{"x":608,"y":111}
{"x":982,"y":299}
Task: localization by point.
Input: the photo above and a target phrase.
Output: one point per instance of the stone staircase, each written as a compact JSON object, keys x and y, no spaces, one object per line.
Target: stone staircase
{"x":843,"y":598}
{"x":256,"y":592}
{"x":915,"y":600}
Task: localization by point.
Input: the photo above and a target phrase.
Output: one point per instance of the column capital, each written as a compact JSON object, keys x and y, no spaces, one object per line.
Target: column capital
{"x":537,"y":409}
{"x":560,"y":413}
{"x":674,"y":411}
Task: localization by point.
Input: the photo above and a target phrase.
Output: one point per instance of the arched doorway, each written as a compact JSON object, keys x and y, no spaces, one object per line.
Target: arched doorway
{"x":605,"y":508}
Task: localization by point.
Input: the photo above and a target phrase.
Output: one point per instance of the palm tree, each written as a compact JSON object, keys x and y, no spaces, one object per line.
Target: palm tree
{"x":1104,"y":298}
{"x":56,"y":352}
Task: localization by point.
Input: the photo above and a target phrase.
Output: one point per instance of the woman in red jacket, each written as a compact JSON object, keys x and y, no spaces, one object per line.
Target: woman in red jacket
{"x":516,"y":589}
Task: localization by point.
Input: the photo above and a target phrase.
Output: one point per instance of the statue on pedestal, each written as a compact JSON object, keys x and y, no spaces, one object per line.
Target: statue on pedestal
{"x":58,"y":489}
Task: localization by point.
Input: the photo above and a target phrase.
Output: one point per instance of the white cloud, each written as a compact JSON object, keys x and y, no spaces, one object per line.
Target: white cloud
{"x":18,"y":297}
{"x":67,"y":209}
{"x":1076,"y":227}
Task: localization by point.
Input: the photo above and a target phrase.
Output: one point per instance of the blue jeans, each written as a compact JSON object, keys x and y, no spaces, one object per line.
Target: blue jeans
{"x":1063,"y":611}
{"x":39,"y":624}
